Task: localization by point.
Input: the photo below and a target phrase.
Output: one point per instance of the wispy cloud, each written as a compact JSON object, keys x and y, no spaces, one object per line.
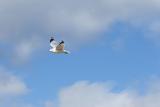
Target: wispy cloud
{"x":49,"y":104}
{"x":11,"y":87}
{"x":118,"y":44}
{"x":24,"y":49}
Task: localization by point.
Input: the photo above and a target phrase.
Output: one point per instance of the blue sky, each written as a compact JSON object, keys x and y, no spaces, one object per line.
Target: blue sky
{"x":114,"y":54}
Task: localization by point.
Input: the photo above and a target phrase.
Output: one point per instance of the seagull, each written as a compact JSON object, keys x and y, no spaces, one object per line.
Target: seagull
{"x":57,"y":47}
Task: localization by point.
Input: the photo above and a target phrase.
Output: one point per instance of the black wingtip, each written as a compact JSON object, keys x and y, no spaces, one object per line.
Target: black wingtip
{"x":52,"y":39}
{"x":62,"y":42}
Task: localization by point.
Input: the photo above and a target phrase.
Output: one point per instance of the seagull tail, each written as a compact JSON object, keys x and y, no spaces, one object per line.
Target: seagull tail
{"x":66,"y":52}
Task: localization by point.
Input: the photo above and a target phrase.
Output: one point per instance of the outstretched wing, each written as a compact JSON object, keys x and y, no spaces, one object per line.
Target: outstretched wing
{"x":53,"y":43}
{"x":60,"y":46}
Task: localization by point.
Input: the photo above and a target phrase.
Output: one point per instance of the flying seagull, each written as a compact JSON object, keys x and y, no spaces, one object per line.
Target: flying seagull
{"x":57,"y":47}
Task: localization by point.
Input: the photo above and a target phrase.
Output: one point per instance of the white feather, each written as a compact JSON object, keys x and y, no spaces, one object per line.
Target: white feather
{"x":53,"y":44}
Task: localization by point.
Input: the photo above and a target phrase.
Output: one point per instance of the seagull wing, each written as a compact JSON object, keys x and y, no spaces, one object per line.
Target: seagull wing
{"x":53,"y":44}
{"x":60,"y":46}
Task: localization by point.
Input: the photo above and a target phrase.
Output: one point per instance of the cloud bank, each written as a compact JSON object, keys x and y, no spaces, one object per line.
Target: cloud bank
{"x":85,"y":94}
{"x":76,"y":21}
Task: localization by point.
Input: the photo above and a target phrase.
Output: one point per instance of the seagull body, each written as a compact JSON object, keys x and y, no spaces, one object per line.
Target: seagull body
{"x":57,"y":47}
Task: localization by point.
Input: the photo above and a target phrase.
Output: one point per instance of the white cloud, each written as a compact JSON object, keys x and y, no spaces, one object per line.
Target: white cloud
{"x":11,"y":87}
{"x":72,"y":17}
{"x":24,"y":49}
{"x":85,"y":94}
{"x":76,"y":21}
